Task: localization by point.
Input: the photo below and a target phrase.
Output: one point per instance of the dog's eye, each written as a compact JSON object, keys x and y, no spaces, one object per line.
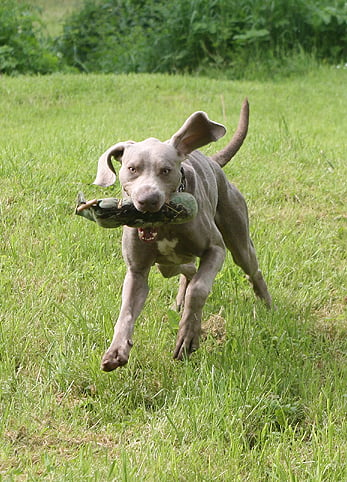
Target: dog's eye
{"x":132,"y":169}
{"x":166,"y":171}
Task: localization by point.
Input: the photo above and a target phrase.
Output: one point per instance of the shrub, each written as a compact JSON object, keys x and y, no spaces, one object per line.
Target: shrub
{"x":156,"y":35}
{"x":102,"y":36}
{"x":177,"y":36}
{"x":23,"y":47}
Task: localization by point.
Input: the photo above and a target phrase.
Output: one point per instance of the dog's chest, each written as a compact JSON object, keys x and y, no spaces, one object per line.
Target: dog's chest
{"x":173,"y":251}
{"x":166,"y":248}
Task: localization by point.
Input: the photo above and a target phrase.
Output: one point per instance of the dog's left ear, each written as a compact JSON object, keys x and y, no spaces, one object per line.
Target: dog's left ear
{"x":198,"y":130}
{"x":106,"y":175}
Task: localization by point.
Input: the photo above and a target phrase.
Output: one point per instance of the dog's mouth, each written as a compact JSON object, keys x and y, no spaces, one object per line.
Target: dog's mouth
{"x":147,"y":235}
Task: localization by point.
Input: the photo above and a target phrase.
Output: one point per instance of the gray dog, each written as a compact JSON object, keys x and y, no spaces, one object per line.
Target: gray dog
{"x":150,"y":172}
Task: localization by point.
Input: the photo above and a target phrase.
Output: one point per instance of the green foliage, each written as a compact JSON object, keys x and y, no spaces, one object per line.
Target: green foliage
{"x":247,"y":38}
{"x":109,"y":36}
{"x":190,"y":36}
{"x":23,"y":47}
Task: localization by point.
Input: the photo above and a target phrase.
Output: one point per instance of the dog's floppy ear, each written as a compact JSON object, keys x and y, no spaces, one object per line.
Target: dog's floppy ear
{"x":106,"y":174}
{"x":198,"y":130}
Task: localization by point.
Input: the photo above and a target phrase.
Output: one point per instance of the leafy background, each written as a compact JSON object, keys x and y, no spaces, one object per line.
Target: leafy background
{"x":238,"y":38}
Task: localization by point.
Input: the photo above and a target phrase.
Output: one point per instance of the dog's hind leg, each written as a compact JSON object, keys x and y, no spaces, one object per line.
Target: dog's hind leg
{"x":182,"y":288}
{"x":232,"y":221}
{"x":187,"y":272}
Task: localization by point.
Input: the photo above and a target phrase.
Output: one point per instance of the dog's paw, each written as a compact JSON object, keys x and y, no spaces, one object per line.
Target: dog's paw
{"x":110,"y":363}
{"x":115,"y":358}
{"x":186,"y":344}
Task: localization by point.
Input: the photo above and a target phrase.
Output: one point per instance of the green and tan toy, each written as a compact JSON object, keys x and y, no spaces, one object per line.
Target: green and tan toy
{"x":113,"y":212}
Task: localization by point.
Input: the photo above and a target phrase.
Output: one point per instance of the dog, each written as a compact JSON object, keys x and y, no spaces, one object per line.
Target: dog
{"x":150,"y":172}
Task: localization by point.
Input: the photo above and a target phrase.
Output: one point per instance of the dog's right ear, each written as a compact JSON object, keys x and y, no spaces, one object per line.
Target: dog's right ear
{"x":106,"y":174}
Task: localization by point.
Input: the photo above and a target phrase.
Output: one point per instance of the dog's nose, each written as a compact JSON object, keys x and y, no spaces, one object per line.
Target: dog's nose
{"x":149,"y":201}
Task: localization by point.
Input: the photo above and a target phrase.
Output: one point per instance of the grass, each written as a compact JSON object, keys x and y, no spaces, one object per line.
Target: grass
{"x":265,"y":396}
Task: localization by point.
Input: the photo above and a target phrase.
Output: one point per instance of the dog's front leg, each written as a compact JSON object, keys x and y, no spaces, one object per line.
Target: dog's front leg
{"x":134,"y":294}
{"x":197,"y":291}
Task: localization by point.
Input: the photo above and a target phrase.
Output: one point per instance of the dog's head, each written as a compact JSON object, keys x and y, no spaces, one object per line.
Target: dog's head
{"x":150,"y":170}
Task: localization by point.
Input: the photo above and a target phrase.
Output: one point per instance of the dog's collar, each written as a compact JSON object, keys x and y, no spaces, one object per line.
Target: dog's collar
{"x":183,"y":184}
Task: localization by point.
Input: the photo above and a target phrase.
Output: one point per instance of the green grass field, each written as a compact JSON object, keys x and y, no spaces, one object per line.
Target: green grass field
{"x":265,"y":396}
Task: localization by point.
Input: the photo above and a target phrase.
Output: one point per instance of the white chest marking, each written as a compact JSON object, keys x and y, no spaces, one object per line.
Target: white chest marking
{"x":167,"y":249}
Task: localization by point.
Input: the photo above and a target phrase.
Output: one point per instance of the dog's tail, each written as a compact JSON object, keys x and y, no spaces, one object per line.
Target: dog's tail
{"x":224,"y":156}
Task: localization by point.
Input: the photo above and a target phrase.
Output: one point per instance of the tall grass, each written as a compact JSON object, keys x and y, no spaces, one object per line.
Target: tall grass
{"x":265,"y":396}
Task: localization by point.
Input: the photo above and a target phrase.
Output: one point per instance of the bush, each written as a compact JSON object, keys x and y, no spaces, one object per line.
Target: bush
{"x":188,"y":36}
{"x":102,"y":36}
{"x":181,"y":36}
{"x":23,"y":47}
